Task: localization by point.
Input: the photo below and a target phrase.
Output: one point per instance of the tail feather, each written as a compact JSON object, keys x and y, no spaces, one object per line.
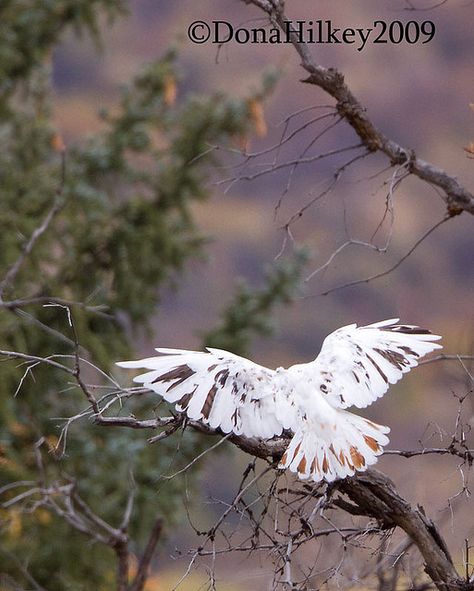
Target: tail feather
{"x":327,"y":454}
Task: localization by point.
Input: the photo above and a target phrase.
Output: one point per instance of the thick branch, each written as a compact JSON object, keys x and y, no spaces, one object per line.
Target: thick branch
{"x":374,"y":495}
{"x":457,"y":197}
{"x":142,"y":573}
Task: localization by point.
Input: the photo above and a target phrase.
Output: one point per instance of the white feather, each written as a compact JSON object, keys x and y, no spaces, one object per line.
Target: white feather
{"x":354,"y":368}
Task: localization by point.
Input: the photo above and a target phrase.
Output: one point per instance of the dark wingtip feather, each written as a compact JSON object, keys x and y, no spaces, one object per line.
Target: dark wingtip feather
{"x":407,"y":329}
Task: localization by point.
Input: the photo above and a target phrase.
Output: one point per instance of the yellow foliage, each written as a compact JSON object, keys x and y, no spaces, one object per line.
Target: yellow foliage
{"x":57,"y":143}
{"x":371,"y":583}
{"x":470,"y":149}
{"x":8,"y":464}
{"x":168,"y":579}
{"x":43,"y":516}
{"x":18,"y":429}
{"x":258,"y":117}
{"x":15,"y":526}
{"x":171,"y":90}
{"x":241,"y":140}
{"x":52,"y":442}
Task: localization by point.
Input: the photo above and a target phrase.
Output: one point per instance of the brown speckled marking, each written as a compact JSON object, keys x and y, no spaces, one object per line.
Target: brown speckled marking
{"x":302,"y":465}
{"x":180,"y":374}
{"x":315,"y":467}
{"x":221,"y":377}
{"x":357,"y":457}
{"x":384,"y":377}
{"x":395,"y":358}
{"x":207,"y":406}
{"x":325,"y":464}
{"x":372,"y":443}
{"x":184,"y":401}
{"x":338,"y":457}
{"x":296,"y":451}
{"x":407,"y":329}
{"x":409,"y":351}
{"x":372,"y":424}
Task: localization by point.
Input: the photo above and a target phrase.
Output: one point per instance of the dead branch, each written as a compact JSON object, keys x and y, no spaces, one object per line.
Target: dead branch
{"x":387,"y":271}
{"x":144,"y":564}
{"x":455,"y":195}
{"x":63,"y":498}
{"x":58,"y":204}
{"x":374,"y":495}
{"x":370,"y":495}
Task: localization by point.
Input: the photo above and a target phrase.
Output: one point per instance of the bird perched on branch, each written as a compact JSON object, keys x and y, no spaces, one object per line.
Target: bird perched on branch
{"x":355,"y":366}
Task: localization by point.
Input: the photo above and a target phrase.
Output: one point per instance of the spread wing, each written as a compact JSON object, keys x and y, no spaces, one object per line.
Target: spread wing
{"x":221,"y":390}
{"x":356,"y":365}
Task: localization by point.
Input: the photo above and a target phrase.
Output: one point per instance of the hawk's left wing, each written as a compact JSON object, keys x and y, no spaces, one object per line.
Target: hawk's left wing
{"x":221,"y":390}
{"x":356,"y":365}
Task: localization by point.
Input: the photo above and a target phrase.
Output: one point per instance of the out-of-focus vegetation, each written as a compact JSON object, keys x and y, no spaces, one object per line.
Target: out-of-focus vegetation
{"x":122,"y":227}
{"x":131,"y":227}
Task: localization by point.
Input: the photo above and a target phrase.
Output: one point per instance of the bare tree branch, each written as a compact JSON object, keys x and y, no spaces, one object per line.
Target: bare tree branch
{"x":382,"y":273}
{"x":456,"y":197}
{"x":144,"y":564}
{"x":58,"y":204}
{"x":375,"y":496}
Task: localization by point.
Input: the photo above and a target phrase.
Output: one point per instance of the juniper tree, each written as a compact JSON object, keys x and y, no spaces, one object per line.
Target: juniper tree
{"x":88,"y":237}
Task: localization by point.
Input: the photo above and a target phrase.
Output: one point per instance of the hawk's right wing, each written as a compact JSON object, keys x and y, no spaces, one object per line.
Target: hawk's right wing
{"x":221,"y":390}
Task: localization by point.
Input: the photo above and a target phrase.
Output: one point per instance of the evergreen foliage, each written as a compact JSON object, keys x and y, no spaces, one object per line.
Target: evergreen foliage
{"x":121,"y":228}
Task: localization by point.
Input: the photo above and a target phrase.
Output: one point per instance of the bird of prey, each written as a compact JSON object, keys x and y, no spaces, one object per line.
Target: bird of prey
{"x":355,"y":366}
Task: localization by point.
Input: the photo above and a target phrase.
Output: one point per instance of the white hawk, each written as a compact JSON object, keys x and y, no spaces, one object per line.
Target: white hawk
{"x":355,"y":366}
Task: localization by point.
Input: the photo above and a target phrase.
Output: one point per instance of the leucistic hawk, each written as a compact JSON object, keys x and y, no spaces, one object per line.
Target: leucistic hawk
{"x":356,"y":365}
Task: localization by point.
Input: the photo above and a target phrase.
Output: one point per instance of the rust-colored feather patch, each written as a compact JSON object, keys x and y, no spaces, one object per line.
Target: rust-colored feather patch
{"x":315,"y":468}
{"x":357,"y":458}
{"x":302,"y":465}
{"x":296,"y":451}
{"x":374,"y":425}
{"x":372,"y":443}
{"x":325,"y":464}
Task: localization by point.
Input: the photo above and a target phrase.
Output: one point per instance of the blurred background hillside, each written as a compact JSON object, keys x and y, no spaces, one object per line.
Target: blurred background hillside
{"x":419,"y":95}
